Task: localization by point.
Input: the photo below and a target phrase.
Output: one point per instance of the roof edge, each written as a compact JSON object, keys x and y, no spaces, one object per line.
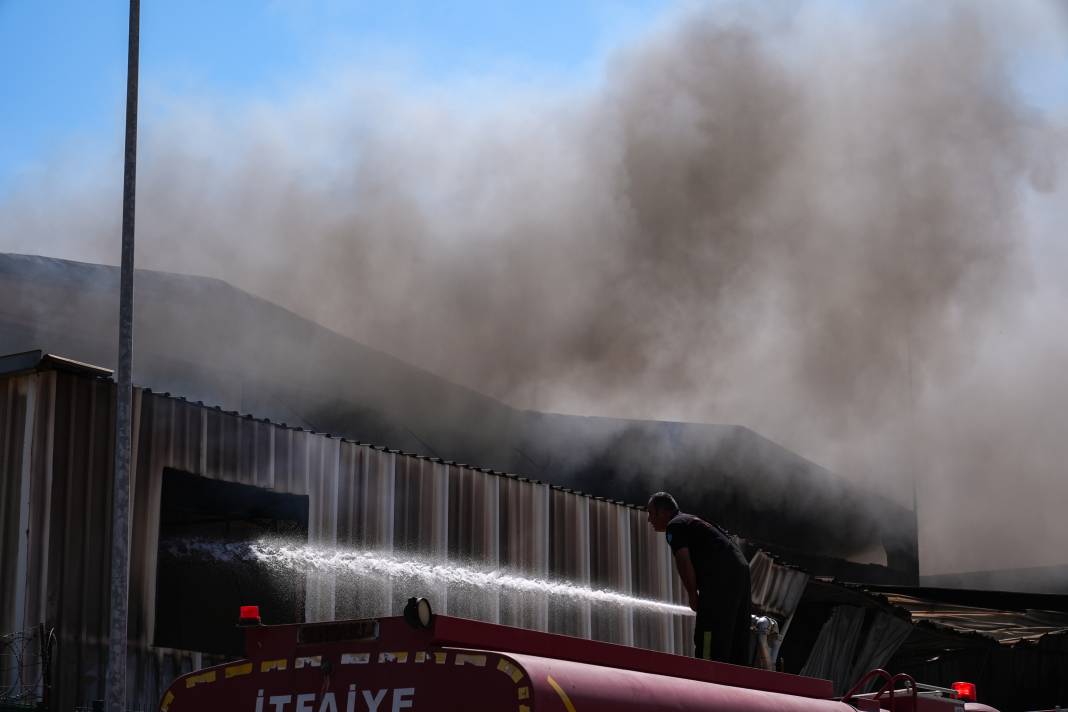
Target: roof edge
{"x":37,"y":360}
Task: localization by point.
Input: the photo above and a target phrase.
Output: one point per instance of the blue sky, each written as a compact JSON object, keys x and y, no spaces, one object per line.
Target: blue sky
{"x":65,"y":60}
{"x":63,"y":87}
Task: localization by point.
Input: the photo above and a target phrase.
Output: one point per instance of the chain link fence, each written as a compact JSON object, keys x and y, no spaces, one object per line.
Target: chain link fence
{"x":25,"y":669}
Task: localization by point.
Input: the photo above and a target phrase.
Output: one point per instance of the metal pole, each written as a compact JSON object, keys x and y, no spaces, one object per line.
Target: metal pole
{"x":120,"y":520}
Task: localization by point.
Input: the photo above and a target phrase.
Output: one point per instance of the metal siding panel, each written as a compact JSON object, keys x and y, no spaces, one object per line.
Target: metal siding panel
{"x":382,"y":473}
{"x":26,"y":474}
{"x":322,"y":477}
{"x":609,"y":569}
{"x":14,"y":493}
{"x":156,"y":437}
{"x":777,"y":589}
{"x":654,"y":577}
{"x":72,"y":460}
{"x":569,"y":543}
{"x":226,"y":462}
{"x":40,"y":501}
{"x":263,"y":444}
{"x":294,"y":477}
{"x":323,"y":471}
{"x":348,"y":478}
{"x":213,"y":444}
{"x":407,"y":520}
{"x":365,"y":523}
{"x":282,"y":448}
{"x":245,"y":443}
{"x":420,"y":521}
{"x":78,"y":551}
{"x":229,"y":428}
{"x":623,"y":579}
{"x":13,"y":432}
{"x":474,"y":539}
{"x":202,"y":467}
{"x":359,"y":497}
{"x":440,"y":508}
{"x":188,"y":441}
{"x":347,"y":601}
{"x":524,"y":549}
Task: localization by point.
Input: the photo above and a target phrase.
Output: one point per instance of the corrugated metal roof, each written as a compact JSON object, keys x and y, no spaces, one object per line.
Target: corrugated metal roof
{"x":853,"y":641}
{"x":1004,"y":626}
{"x":1001,"y":616}
{"x":777,"y":588}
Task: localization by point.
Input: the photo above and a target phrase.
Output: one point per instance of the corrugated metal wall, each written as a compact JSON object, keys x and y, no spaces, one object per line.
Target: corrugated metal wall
{"x":56,"y":459}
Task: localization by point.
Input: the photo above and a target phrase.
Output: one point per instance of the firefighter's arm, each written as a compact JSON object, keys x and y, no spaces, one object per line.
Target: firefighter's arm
{"x":687,"y":574}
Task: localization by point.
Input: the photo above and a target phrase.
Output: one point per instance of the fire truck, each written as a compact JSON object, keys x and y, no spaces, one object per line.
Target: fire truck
{"x":422,"y":661}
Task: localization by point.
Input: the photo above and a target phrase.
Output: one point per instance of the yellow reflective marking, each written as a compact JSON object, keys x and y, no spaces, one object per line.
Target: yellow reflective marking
{"x":707,"y":652}
{"x":440,"y":658}
{"x":560,"y":691}
{"x":200,"y":679}
{"x":308,"y":661}
{"x":465,"y":659}
{"x":523,"y":692}
{"x":524,"y":708}
{"x":268,"y":665}
{"x":167,"y":700}
{"x":355,"y":658}
{"x":398,"y":657}
{"x":238,"y":670}
{"x":510,"y":670}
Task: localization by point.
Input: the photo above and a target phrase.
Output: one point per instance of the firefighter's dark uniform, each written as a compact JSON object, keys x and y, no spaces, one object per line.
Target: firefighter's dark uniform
{"x":723,"y":593}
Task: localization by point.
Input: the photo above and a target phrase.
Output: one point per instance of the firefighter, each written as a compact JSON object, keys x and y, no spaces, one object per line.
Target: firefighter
{"x":715,"y":575}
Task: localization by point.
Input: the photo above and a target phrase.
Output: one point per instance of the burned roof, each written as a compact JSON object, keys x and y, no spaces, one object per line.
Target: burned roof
{"x":1005,"y":616}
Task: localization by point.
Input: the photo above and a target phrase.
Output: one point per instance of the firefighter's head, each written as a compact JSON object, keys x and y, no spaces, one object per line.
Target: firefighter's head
{"x":662,"y":508}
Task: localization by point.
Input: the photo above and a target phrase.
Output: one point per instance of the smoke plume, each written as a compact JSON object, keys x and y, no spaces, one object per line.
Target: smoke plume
{"x":837,"y":230}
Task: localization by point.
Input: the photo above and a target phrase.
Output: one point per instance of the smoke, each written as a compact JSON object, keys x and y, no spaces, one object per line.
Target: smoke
{"x":833,"y":226}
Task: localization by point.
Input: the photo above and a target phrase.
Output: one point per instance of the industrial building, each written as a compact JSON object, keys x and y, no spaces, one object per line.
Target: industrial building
{"x":547,"y":497}
{"x":201,"y":472}
{"x":208,"y":341}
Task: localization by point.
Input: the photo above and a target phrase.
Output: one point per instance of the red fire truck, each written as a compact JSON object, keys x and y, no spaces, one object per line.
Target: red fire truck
{"x":420,"y":661}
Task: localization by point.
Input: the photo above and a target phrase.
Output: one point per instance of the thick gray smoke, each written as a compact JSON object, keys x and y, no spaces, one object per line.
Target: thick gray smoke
{"x":834,"y":229}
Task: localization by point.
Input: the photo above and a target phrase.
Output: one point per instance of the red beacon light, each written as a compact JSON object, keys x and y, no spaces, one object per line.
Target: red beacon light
{"x":250,"y":615}
{"x":965,"y":690}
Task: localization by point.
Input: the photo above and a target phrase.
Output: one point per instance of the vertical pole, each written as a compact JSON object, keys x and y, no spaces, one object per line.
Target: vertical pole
{"x":914,"y":438}
{"x":120,"y":520}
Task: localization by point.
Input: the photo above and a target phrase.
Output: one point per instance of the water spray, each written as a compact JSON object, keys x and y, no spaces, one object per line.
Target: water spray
{"x":286,"y":557}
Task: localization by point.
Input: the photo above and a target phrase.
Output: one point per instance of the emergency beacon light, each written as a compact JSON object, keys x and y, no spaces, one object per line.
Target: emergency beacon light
{"x":965,"y":690}
{"x":250,"y":615}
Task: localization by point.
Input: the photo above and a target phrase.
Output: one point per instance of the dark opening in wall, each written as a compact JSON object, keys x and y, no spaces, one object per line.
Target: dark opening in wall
{"x":204,"y":571}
